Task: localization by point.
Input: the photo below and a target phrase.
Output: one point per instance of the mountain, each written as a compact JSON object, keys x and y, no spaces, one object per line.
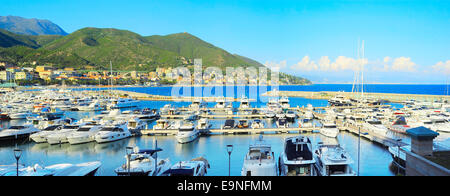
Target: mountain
{"x":127,"y":50}
{"x":32,"y":26}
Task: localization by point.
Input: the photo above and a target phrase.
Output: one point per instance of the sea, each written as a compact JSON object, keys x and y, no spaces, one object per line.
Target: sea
{"x":374,"y":159}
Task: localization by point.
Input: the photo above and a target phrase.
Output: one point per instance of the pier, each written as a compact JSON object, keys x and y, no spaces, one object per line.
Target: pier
{"x":293,"y":130}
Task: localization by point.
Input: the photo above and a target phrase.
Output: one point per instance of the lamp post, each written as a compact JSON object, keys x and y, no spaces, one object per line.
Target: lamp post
{"x":129,"y":150}
{"x":229,"y":150}
{"x":359,"y":147}
{"x":17,"y":155}
{"x":398,"y":155}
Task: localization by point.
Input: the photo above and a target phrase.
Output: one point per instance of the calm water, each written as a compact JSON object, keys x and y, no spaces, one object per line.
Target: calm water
{"x":375,"y":159}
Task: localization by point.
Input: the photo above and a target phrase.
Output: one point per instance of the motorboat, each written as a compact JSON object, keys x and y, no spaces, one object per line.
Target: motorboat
{"x":229,"y":124}
{"x":94,"y":106}
{"x":114,"y":132}
{"x":329,"y":129}
{"x":41,"y":137}
{"x":333,"y":160}
{"x":17,"y":132}
{"x":282,"y":123}
{"x":161,"y":124}
{"x":339,"y":100}
{"x":221,"y":103}
{"x":84,"y":134}
{"x":376,"y":126}
{"x":308,"y":115}
{"x":187,"y":133}
{"x":245,"y":103}
{"x":203,"y":125}
{"x":242,"y":124}
{"x":291,"y":115}
{"x":284,"y":102}
{"x":270,"y":114}
{"x":123,"y":103}
{"x":297,"y":158}
{"x":304,"y":123}
{"x":21,"y":115}
{"x":257,"y":124}
{"x":135,"y":125}
{"x":197,"y":104}
{"x":66,"y":169}
{"x":274,"y":106}
{"x":147,"y":114}
{"x":190,"y":116}
{"x":60,"y":137}
{"x":399,"y":125}
{"x":260,"y":160}
{"x":195,"y":167}
{"x":280,"y":115}
{"x":143,"y":162}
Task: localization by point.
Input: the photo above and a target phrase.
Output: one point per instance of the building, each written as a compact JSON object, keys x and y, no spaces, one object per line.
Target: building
{"x":46,"y":75}
{"x":6,"y":75}
{"x":43,"y":68}
{"x":22,"y":75}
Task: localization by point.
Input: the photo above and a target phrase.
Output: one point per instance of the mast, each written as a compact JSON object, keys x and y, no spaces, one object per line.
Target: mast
{"x":362,"y":71}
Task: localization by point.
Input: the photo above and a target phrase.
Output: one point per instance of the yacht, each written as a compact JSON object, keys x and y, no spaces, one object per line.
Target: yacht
{"x":41,"y":137}
{"x":242,"y":124}
{"x":110,"y":133}
{"x":229,"y":124}
{"x":374,"y":125}
{"x":291,"y":115}
{"x":187,"y":133}
{"x":203,"y":125}
{"x":197,"y":104}
{"x":274,"y":106}
{"x":147,"y":114}
{"x":284,"y":102}
{"x":60,"y":137}
{"x":161,"y":124}
{"x":143,"y":163}
{"x":280,"y":115}
{"x":123,"y":103}
{"x":66,"y":169}
{"x":220,"y":103}
{"x":260,"y":160}
{"x":270,"y":114}
{"x":195,"y":167}
{"x":333,"y":160}
{"x":135,"y":125}
{"x":245,"y":103}
{"x":308,"y":115}
{"x":304,"y":123}
{"x":94,"y":106}
{"x":339,"y":100}
{"x":282,"y":123}
{"x":84,"y":134}
{"x":257,"y":124}
{"x":329,"y":129}
{"x":399,"y":125}
{"x":297,"y":158}
{"x":17,"y":132}
{"x":21,"y":115}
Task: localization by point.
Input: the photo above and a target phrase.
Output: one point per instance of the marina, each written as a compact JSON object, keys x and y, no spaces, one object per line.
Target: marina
{"x":185,"y":130}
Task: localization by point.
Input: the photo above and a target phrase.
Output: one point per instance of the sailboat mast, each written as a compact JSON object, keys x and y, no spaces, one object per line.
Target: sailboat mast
{"x":362,"y":71}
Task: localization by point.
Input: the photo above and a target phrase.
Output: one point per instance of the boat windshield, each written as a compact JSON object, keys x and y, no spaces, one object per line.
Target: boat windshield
{"x":330,"y":126}
{"x":17,"y":127}
{"x":85,"y":129}
{"x":375,"y":122}
{"x":51,"y":128}
{"x":71,"y":127}
{"x":440,"y":122}
{"x":337,"y":169}
{"x":299,"y":170}
{"x":186,"y":130}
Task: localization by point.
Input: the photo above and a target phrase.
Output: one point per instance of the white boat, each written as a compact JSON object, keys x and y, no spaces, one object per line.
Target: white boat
{"x":143,"y":163}
{"x":21,"y":115}
{"x":270,"y":114}
{"x":110,"y":133}
{"x":67,"y":169}
{"x":197,"y":104}
{"x":220,"y":103}
{"x":260,"y":160}
{"x":195,"y":167}
{"x":304,"y":123}
{"x":297,"y":157}
{"x":41,"y":137}
{"x":333,"y":160}
{"x":274,"y":106}
{"x":203,"y":125}
{"x":135,"y":125}
{"x":94,"y":106}
{"x":284,"y":102}
{"x":161,"y":124}
{"x":245,"y":103}
{"x":376,"y":126}
{"x":308,"y":115}
{"x":17,"y":132}
{"x":329,"y":129}
{"x":280,"y":115}
{"x":257,"y":124}
{"x":123,"y":103}
{"x":291,"y":115}
{"x":84,"y":134}
{"x":187,"y":133}
{"x":61,"y":136}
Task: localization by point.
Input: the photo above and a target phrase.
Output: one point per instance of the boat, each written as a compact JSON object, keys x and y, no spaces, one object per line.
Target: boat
{"x":329,"y":129}
{"x":245,"y":103}
{"x":280,"y":115}
{"x":374,"y":125}
{"x":282,"y":123}
{"x":257,"y":124}
{"x":123,"y":103}
{"x":203,"y":125}
{"x":270,"y":114}
{"x":242,"y":124}
{"x":195,"y":167}
{"x":339,"y":100}
{"x":308,"y":115}
{"x":66,"y":169}
{"x":18,"y":132}
{"x":229,"y":124}
{"x":84,"y":134}
{"x":148,"y":114}
{"x":260,"y":160}
{"x":94,"y":106}
{"x":161,"y":124}
{"x":220,"y":103}
{"x":21,"y":115}
{"x":304,"y":123}
{"x":291,"y":115}
{"x":143,"y":163}
{"x":187,"y":133}
{"x":135,"y":125}
{"x":284,"y":102}
{"x":333,"y":160}
{"x":297,"y":158}
{"x":61,"y":136}
{"x":41,"y":137}
{"x":399,"y":125}
{"x":113,"y":132}
{"x":190,"y":116}
{"x":197,"y":104}
{"x":274,"y":106}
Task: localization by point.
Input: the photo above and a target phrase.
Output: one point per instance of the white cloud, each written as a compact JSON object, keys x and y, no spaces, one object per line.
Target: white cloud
{"x":324,"y":63}
{"x":442,"y":67}
{"x":276,"y":66}
{"x":403,"y":64}
{"x":305,"y":65}
{"x":387,"y":59}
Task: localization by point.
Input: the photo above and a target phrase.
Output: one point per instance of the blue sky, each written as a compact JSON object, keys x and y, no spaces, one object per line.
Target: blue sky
{"x":405,"y":41}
